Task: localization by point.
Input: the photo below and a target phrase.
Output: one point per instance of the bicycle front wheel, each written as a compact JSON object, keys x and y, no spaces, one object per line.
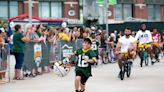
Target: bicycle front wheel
{"x":128,"y":72}
{"x":146,"y":58}
{"x":122,"y":73}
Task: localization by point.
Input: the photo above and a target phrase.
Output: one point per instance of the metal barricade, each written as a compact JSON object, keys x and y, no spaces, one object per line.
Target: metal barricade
{"x":30,"y":61}
{"x":78,"y":43}
{"x":52,"y":52}
{"x":49,"y":53}
{"x":4,"y":61}
{"x":64,"y":48}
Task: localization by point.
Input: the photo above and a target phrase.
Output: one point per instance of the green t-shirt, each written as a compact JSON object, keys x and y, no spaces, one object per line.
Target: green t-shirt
{"x":81,"y":36}
{"x":18,"y":44}
{"x":95,"y":45}
{"x":82,"y":65}
{"x":38,"y":33}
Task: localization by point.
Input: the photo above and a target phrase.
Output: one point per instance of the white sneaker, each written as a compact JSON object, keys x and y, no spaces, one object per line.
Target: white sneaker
{"x":160,"y":56}
{"x":153,"y":61}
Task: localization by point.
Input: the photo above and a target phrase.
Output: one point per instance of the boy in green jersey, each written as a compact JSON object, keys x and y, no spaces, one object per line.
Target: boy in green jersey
{"x":86,"y":57}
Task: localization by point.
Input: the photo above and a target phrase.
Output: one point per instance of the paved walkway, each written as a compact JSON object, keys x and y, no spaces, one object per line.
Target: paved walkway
{"x":146,"y":79}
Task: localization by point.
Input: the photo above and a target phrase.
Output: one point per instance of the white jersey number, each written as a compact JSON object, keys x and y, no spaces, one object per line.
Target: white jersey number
{"x":94,"y":46}
{"x":82,"y":62}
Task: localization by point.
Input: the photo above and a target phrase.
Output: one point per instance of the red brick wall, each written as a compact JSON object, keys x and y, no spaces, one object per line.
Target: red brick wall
{"x":68,"y":7}
{"x":71,"y":0}
{"x":140,"y":12}
{"x":139,"y":1}
{"x":111,"y":8}
{"x":20,"y":8}
{"x":35,"y":8}
{"x":162,"y":12}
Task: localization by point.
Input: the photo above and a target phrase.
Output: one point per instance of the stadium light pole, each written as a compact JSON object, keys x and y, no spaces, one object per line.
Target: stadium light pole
{"x":30,"y":11}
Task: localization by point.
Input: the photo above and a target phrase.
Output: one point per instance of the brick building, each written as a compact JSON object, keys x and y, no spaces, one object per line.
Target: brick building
{"x":41,"y":8}
{"x":125,"y":10}
{"x":136,"y":10}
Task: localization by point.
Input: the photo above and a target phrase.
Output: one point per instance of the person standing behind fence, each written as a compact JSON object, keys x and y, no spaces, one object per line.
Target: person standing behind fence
{"x":44,"y":36}
{"x":34,"y":37}
{"x":86,"y":33}
{"x":110,"y":49}
{"x":39,"y":29}
{"x":2,"y":42}
{"x":103,"y":45}
{"x":52,"y":39}
{"x":95,"y":45}
{"x":79,"y":33}
{"x":18,"y":49}
{"x":62,"y":35}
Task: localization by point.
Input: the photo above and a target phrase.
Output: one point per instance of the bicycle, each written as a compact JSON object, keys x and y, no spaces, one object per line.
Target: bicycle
{"x":143,"y":56}
{"x":126,"y":67}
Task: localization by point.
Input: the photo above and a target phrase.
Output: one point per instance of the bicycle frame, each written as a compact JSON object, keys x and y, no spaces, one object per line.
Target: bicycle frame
{"x":126,"y":68}
{"x":143,"y":54}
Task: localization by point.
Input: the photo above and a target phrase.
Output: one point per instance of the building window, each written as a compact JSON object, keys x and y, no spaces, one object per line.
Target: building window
{"x":13,"y":9}
{"x":4,"y":9}
{"x":44,"y":9}
{"x":150,"y":12}
{"x":118,"y":12}
{"x":157,"y":10}
{"x":56,"y":10}
{"x":154,"y":12}
{"x":127,"y":10}
{"x":123,"y":11}
{"x":50,"y":9}
{"x":8,"y":12}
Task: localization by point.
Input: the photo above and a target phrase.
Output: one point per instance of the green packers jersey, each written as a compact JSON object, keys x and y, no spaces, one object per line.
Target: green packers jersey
{"x":82,"y":65}
{"x":95,"y":45}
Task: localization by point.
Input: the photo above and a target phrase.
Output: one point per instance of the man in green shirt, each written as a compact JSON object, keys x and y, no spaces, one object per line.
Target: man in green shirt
{"x":86,"y":57}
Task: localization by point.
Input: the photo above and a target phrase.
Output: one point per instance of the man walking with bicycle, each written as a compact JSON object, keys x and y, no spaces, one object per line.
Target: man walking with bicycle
{"x":128,"y":48}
